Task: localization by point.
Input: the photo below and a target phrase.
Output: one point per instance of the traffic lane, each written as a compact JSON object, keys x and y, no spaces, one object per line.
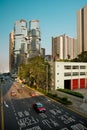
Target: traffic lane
{"x":24,"y":113}
{"x":10,"y":121}
{"x":56,"y":116}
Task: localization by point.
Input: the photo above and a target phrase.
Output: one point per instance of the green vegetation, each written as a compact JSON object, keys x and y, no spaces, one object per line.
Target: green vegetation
{"x":63,"y":100}
{"x":81,"y":57}
{"x":77,"y":94}
{"x":34,"y":73}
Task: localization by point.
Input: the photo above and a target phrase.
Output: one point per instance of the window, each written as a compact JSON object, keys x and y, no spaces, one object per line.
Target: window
{"x":67,"y":67}
{"x":82,"y":73}
{"x":82,"y":67}
{"x":75,"y":67}
{"x":75,"y":73}
{"x":67,"y":74}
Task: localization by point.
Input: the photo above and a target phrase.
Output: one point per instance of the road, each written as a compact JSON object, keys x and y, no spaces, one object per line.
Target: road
{"x":20,"y":115}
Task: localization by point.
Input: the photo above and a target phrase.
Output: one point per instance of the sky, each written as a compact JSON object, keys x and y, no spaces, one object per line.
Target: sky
{"x":56,"y":17}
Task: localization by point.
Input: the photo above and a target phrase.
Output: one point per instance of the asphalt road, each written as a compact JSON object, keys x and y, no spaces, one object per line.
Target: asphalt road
{"x":20,"y":115}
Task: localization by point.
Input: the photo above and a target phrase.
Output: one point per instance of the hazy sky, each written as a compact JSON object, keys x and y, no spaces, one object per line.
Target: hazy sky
{"x":56,"y":17}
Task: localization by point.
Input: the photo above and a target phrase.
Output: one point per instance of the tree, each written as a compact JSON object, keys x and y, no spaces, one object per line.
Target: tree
{"x":81,"y":57}
{"x":34,"y":71}
{"x":68,"y":56}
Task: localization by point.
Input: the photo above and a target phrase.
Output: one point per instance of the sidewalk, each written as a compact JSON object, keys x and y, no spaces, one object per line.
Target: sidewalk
{"x":80,"y":106}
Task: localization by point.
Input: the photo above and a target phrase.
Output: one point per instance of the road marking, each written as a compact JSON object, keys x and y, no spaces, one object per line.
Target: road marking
{"x":78,"y":127}
{"x":43,"y":115}
{"x":64,"y":129}
{"x":33,"y":128}
{"x":27,"y":121}
{"x":6,"y":104}
{"x":47,"y":122}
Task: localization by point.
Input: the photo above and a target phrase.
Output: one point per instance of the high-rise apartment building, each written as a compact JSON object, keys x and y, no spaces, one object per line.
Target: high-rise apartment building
{"x":82,"y":29}
{"x":34,"y":38}
{"x":11,"y":51}
{"x":64,"y":47}
{"x":20,"y":42}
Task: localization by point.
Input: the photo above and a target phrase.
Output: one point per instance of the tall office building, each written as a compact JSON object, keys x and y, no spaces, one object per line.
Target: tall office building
{"x":11,"y":52}
{"x":34,"y":38}
{"x":82,"y":29}
{"x":24,"y":43}
{"x":64,"y":47}
{"x":20,"y":42}
{"x":43,"y":52}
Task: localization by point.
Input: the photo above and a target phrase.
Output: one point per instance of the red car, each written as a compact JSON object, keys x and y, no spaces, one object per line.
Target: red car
{"x":13,"y":93}
{"x":39,"y":107}
{"x":32,"y":94}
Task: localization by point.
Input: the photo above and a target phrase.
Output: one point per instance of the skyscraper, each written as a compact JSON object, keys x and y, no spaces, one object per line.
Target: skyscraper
{"x":11,"y":51}
{"x":24,"y":43}
{"x":82,"y":29}
{"x":34,"y":38}
{"x":20,"y":43}
{"x":64,"y":47}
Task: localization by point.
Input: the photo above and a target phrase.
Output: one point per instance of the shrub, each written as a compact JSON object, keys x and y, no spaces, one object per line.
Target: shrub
{"x":71,"y":92}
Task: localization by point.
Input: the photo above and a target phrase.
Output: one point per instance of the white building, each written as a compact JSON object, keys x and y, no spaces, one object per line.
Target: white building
{"x":70,"y":75}
{"x":64,"y":47}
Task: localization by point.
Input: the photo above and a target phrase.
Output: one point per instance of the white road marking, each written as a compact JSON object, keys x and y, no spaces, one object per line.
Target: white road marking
{"x":6,"y":104}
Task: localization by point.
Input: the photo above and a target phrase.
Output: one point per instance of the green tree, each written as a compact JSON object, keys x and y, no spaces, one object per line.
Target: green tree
{"x":35,"y":71}
{"x":81,"y":57}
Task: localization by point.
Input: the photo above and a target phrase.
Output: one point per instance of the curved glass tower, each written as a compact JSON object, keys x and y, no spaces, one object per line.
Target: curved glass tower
{"x":35,"y":38}
{"x":20,"y":43}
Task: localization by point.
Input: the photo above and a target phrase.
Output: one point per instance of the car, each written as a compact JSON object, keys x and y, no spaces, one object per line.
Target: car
{"x":32,"y":94}
{"x":20,"y":90}
{"x":13,"y":93}
{"x":39,"y":107}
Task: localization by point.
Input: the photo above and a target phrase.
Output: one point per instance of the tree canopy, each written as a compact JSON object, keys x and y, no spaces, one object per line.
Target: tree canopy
{"x":34,"y":71}
{"x":81,"y":57}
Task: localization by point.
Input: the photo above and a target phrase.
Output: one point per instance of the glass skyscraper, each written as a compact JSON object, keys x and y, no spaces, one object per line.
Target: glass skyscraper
{"x":20,"y":43}
{"x":27,"y":42}
{"x":35,"y":38}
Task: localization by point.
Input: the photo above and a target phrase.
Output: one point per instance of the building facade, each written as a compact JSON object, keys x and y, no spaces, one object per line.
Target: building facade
{"x":11,"y":52}
{"x":34,"y":38}
{"x":43,"y":52}
{"x":64,"y":47}
{"x":20,"y":42}
{"x":70,"y":75}
{"x":82,"y":29}
{"x":24,"y":43}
